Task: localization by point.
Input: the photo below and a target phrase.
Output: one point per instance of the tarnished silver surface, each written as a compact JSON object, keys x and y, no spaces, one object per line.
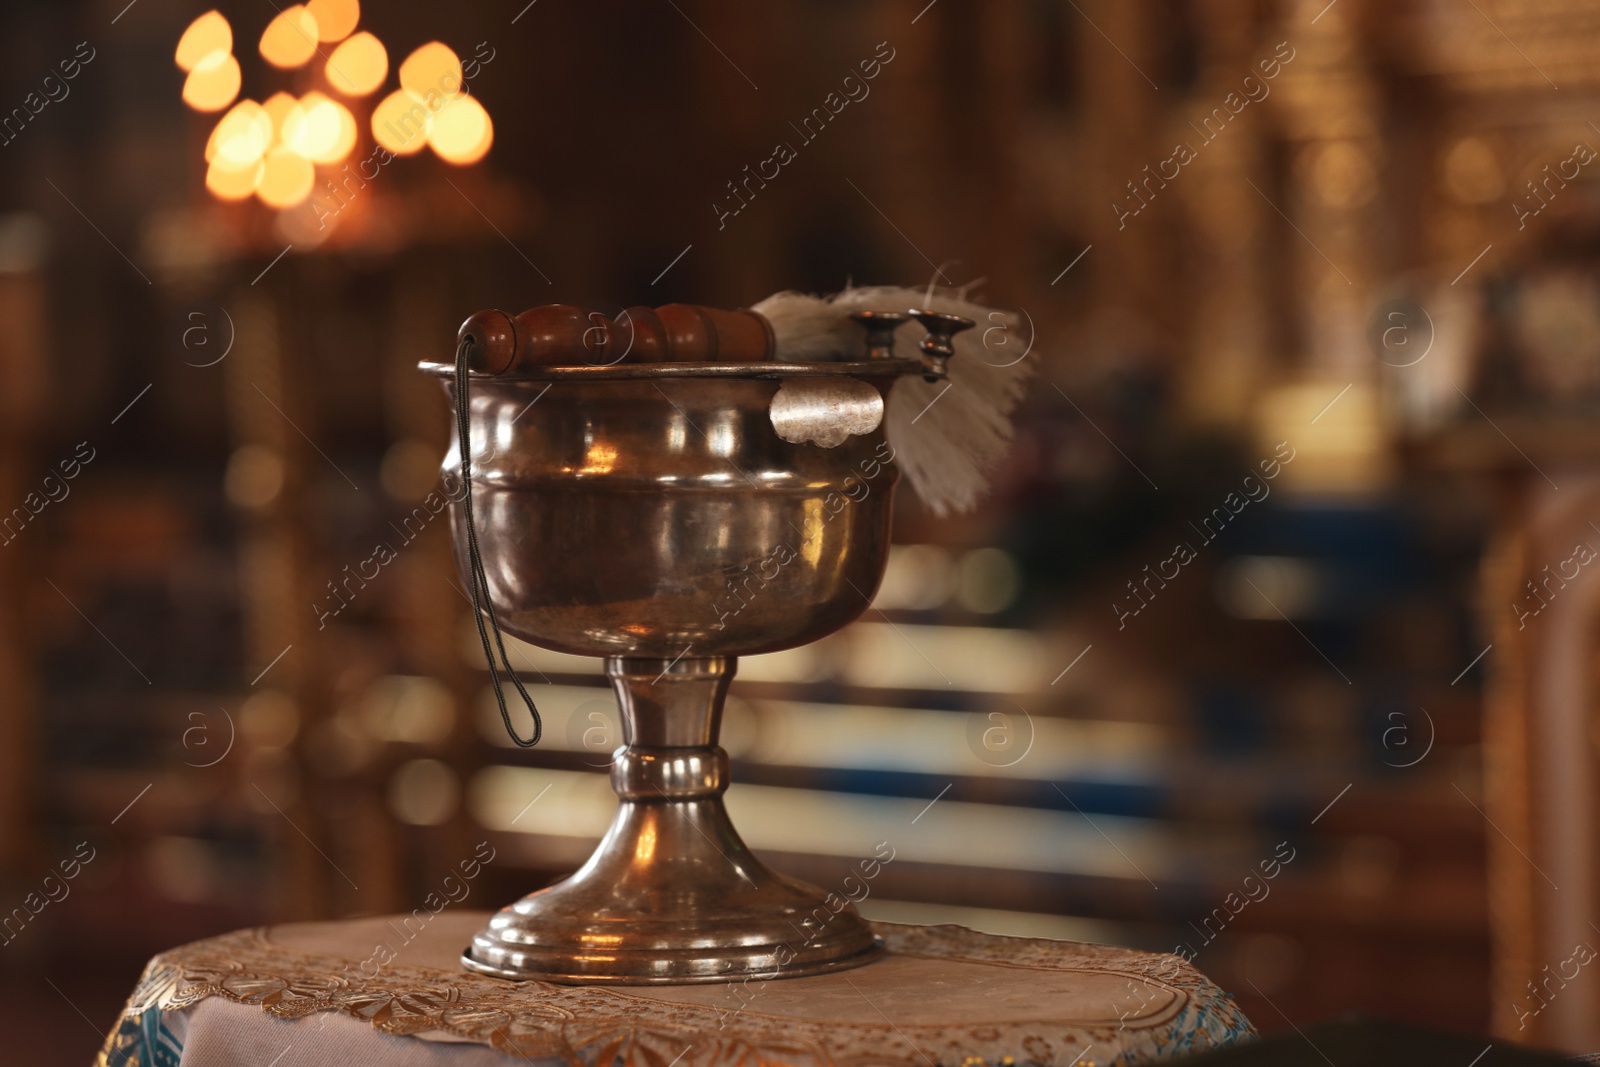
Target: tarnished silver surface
{"x":661,"y":522}
{"x":825,"y":411}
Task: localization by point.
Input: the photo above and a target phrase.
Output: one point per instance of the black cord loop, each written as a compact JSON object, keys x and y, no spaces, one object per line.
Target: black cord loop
{"x":481,"y":603}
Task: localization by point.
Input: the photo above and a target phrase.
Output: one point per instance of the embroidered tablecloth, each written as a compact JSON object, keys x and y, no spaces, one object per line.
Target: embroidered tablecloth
{"x":390,"y":991}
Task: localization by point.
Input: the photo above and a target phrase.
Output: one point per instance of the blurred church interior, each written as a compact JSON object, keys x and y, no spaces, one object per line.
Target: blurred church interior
{"x":1356,"y":241}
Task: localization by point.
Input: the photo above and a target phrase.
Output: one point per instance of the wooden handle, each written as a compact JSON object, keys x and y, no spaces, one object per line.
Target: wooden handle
{"x":565,"y":335}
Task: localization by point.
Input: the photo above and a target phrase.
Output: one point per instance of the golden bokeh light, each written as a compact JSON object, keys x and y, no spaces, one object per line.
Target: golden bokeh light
{"x":277,"y":107}
{"x":227,"y":184}
{"x":213,"y":83}
{"x":431,"y":72}
{"x":312,"y":128}
{"x":358,"y":66}
{"x":286,"y":179}
{"x":271,"y":150}
{"x":207,"y":34}
{"x":290,"y":39}
{"x":461,"y":132}
{"x":400,"y":123}
{"x":336,"y":19}
{"x":241,"y":137}
{"x":347,"y":135}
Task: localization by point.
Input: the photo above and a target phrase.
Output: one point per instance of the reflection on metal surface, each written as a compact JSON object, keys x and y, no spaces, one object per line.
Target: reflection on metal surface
{"x":825,"y":411}
{"x":598,"y":460}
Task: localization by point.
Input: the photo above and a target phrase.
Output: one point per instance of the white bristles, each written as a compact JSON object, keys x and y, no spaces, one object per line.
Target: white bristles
{"x":810,"y":329}
{"x":947,"y":436}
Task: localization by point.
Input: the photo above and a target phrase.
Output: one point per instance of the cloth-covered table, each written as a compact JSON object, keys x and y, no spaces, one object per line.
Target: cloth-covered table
{"x":391,"y":991}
